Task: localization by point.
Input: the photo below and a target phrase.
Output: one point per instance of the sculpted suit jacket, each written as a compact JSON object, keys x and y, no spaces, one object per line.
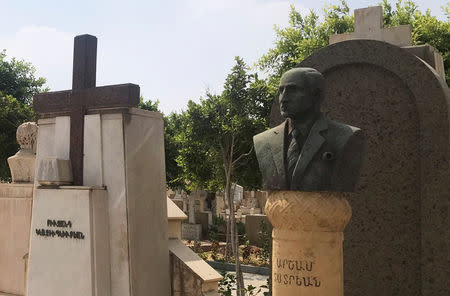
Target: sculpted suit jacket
{"x":329,"y":160}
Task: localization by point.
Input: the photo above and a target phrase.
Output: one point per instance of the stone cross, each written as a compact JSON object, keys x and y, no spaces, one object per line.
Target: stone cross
{"x":83,"y":97}
{"x":369,"y":25}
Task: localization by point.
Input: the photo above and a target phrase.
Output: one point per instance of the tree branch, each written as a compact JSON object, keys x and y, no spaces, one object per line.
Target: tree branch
{"x":242,"y":156}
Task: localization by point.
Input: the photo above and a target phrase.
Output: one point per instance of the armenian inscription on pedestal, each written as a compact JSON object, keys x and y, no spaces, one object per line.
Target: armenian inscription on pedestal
{"x":296,"y":272}
{"x":309,"y":263}
{"x":69,"y":247}
{"x":59,"y":229}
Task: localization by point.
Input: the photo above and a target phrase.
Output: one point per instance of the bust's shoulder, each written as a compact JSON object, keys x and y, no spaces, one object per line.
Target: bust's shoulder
{"x":341,"y":133}
{"x":342,"y":128}
{"x":266,"y":136}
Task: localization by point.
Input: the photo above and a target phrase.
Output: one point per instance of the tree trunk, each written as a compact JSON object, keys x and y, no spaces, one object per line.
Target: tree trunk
{"x":227,"y":153}
{"x":234,"y":236}
{"x":227,"y":229}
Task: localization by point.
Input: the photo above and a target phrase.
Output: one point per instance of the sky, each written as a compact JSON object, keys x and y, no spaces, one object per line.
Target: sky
{"x":175,"y":50}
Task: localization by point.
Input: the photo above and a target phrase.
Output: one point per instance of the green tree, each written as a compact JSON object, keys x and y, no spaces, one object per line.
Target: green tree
{"x":12,"y":114}
{"x":148,"y":105}
{"x":173,"y":124}
{"x":303,"y":36}
{"x":306,"y":34}
{"x":216,"y":142}
{"x":17,"y":79}
{"x":426,"y":29}
{"x":18,"y":84}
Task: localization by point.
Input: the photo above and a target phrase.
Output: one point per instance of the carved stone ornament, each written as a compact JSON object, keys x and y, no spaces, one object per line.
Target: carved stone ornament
{"x":22,"y":164}
{"x":26,"y":135}
{"x":307,"y":242}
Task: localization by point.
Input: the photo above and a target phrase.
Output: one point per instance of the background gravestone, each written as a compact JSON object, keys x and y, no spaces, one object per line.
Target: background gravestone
{"x":397,"y":241}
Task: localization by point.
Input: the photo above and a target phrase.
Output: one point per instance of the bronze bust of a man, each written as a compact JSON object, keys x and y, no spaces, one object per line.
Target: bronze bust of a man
{"x":308,"y":151}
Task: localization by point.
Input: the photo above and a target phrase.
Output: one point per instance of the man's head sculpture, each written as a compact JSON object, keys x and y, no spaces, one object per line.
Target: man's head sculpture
{"x":301,"y":91}
{"x":307,"y":151}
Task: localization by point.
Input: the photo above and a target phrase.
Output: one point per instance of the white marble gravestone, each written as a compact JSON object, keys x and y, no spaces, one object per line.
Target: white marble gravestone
{"x":124,"y":153}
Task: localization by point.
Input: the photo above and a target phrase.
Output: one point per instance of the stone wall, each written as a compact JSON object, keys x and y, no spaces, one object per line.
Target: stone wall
{"x":190,"y":275}
{"x":15,"y":220}
{"x":184,"y":281}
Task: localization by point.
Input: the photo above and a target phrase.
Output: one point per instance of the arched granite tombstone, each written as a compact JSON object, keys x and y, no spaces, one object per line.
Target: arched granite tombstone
{"x":397,"y":242}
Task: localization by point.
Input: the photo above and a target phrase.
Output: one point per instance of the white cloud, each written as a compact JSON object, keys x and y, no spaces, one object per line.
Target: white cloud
{"x":49,"y":50}
{"x":256,"y":11}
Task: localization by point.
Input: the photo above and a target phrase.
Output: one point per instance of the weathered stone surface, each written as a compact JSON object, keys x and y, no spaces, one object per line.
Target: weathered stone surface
{"x":191,"y":231}
{"x":398,"y":239}
{"x":15,"y":220}
{"x":26,"y":135}
{"x":54,"y":171}
{"x":191,"y":275}
{"x":22,"y":165}
{"x":430,"y":55}
{"x":307,"y":242}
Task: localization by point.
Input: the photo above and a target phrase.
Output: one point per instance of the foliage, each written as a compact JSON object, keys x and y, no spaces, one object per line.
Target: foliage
{"x":18,"y":84}
{"x":206,"y":130}
{"x":148,"y":105}
{"x":426,"y":29}
{"x":215,"y":143}
{"x":265,"y":238}
{"x":268,"y":286}
{"x":12,"y":114}
{"x":218,"y":223}
{"x":213,"y":233}
{"x":306,"y":34}
{"x":246,"y":252}
{"x":303,"y":36}
{"x":240,"y":228}
{"x":173,"y":123}
{"x":227,"y":284}
{"x":251,"y":290}
{"x":17,"y":79}
{"x":215,"y":248}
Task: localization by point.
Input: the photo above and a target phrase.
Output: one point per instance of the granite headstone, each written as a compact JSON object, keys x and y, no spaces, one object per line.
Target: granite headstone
{"x":398,"y":240}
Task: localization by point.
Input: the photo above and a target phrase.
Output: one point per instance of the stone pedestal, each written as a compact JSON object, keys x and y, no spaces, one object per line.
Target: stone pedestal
{"x":307,"y":242}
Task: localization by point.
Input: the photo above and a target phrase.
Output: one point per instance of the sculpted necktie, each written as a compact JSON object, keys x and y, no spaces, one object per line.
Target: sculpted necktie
{"x":292,"y":154}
